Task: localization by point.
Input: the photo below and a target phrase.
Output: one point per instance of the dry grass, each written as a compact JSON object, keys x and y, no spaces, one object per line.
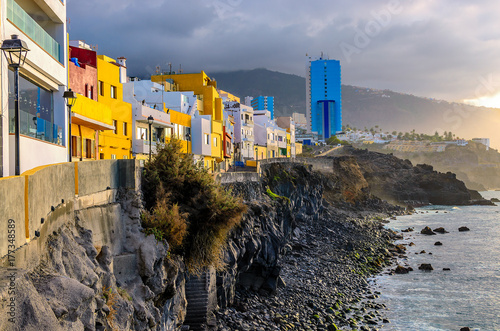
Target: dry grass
{"x":111,"y":300}
{"x":176,"y":190}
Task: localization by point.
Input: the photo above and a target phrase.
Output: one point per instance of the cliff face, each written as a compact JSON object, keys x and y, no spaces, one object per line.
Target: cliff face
{"x":398,"y":181}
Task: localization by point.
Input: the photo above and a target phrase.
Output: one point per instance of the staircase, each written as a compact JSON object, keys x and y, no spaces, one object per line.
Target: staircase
{"x":201,"y":295}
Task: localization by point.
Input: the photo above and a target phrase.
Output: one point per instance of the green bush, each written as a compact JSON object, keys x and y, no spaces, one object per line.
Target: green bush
{"x":173,"y":180}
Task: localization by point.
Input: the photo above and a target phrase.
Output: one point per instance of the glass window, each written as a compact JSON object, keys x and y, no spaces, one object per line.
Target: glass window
{"x":37,"y":116}
{"x":124,"y":128}
{"x":113,"y":156}
{"x":115,"y":124}
{"x":101,"y":88}
{"x":207,"y":139}
{"x":113,"y":92}
{"x":215,"y":141}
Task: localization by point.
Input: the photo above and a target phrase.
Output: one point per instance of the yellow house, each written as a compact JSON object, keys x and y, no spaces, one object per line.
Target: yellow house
{"x":288,"y":144}
{"x":89,"y":117}
{"x":211,"y":104}
{"x":298,"y":148}
{"x":260,"y":152}
{"x":116,"y":143}
{"x":181,"y":130}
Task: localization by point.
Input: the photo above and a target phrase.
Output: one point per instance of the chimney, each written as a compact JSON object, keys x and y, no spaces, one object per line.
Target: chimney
{"x":123,"y":69}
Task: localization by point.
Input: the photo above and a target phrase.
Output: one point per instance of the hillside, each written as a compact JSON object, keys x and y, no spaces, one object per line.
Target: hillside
{"x":478,"y":168}
{"x":365,"y":107}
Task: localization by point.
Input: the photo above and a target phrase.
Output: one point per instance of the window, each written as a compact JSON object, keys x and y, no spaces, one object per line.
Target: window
{"x":115,"y":124}
{"x":101,"y":156}
{"x":207,"y":139}
{"x":125,"y":157}
{"x":74,"y":146}
{"x":124,"y":128}
{"x":86,"y":90}
{"x":113,"y":156}
{"x":215,"y":141}
{"x":101,"y":88}
{"x":91,"y":95}
{"x":89,"y":148}
{"x":113,"y":92}
{"x":142,"y":134}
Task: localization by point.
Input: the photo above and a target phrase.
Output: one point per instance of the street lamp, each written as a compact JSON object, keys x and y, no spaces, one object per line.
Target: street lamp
{"x":70,"y":97}
{"x":188,"y":139}
{"x":15,"y":51}
{"x":150,"y":122}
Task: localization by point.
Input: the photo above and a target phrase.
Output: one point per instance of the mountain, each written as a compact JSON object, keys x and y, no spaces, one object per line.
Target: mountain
{"x":289,"y":91}
{"x":366,"y":107}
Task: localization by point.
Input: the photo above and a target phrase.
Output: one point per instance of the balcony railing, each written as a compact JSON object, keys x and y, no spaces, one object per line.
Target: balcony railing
{"x":33,"y":126}
{"x":28,"y":25}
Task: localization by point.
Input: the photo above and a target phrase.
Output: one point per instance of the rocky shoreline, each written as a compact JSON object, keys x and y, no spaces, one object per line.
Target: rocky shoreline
{"x":323,"y":278}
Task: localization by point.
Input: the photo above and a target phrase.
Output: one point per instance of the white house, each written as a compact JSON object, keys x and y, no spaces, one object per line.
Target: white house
{"x":243,"y":129}
{"x":43,"y":118}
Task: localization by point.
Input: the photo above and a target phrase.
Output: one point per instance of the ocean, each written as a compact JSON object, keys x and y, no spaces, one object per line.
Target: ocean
{"x":466,"y":296}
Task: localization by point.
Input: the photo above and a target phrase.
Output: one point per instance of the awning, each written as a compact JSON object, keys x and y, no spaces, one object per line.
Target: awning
{"x":91,"y":123}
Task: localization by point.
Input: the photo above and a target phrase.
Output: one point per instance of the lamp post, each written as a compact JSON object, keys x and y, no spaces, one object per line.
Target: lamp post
{"x":70,"y":97}
{"x":15,"y":51}
{"x":150,"y":122}
{"x":188,"y":139}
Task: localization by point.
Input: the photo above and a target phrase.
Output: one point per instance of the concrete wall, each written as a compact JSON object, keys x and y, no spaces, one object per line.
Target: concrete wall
{"x":28,"y":198}
{"x":237,"y":177}
{"x":48,"y":187}
{"x":12,"y":208}
{"x":94,"y":177}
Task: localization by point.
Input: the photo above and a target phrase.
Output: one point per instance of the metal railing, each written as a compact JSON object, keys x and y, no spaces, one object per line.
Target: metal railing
{"x":28,"y":25}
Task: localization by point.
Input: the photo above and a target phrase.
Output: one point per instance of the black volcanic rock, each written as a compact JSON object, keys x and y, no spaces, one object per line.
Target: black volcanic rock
{"x":463,"y":229}
{"x":398,"y":181}
{"x":426,"y":267}
{"x":427,"y":231}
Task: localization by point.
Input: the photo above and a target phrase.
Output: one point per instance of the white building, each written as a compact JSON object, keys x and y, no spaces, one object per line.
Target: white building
{"x":243,"y":129}
{"x":43,"y":80}
{"x":146,"y":99}
{"x":484,"y":141}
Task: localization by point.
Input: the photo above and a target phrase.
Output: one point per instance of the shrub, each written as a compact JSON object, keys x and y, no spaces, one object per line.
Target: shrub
{"x":176,"y":189}
{"x":166,"y":222}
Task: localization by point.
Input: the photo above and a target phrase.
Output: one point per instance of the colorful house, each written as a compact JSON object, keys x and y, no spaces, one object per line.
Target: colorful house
{"x":116,"y":143}
{"x":89,"y":117}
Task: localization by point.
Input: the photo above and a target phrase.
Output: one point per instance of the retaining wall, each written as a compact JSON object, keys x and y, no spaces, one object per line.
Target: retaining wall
{"x":31,"y":199}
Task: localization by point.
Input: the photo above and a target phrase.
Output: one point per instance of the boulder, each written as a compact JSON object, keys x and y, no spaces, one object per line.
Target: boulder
{"x":446,"y":269}
{"x":440,"y":230}
{"x":427,"y":231}
{"x":463,"y":229}
{"x":401,"y":270}
{"x":438,"y":243}
{"x":465,"y":329}
{"x":408,"y":230}
{"x":426,"y":267}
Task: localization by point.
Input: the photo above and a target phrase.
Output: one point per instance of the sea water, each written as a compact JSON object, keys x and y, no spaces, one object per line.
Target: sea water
{"x":468,"y":294}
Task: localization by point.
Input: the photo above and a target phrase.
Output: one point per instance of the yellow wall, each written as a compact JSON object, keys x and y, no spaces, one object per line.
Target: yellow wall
{"x":288,"y":146}
{"x":118,"y":144}
{"x":261,"y":151}
{"x":298,"y":148}
{"x":184,"y":120}
{"x":200,"y":84}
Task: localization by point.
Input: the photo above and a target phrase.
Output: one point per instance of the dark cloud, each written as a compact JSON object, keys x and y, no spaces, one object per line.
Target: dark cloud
{"x":429,"y":48}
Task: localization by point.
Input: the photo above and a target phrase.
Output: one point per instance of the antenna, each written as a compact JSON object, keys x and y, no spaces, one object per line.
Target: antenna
{"x":180,"y":68}
{"x":170,"y":66}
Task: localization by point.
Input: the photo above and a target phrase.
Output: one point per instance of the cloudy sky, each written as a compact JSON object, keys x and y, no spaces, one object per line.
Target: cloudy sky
{"x":442,"y":49}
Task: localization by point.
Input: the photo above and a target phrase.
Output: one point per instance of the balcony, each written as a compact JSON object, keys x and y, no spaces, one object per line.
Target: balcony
{"x":161,"y":118}
{"x":142,"y":147}
{"x":33,"y":30}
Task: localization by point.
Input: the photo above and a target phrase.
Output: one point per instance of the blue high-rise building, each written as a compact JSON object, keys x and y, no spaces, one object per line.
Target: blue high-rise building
{"x":324,"y":97}
{"x":263,"y":103}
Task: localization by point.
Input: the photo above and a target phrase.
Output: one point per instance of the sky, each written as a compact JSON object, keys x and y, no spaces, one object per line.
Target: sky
{"x":442,"y":49}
